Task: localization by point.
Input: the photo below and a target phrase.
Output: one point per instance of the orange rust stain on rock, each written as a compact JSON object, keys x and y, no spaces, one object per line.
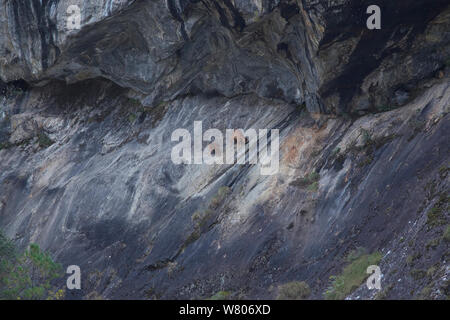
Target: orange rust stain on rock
{"x":291,"y":148}
{"x":301,"y":144}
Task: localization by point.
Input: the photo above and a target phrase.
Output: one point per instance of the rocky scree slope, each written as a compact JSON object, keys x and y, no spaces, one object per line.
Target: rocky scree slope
{"x":86,"y":118}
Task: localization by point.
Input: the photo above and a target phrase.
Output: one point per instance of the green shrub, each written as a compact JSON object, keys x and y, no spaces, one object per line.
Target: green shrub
{"x":431,"y":271}
{"x":134,"y":103}
{"x":294,"y":290}
{"x":7,"y":254}
{"x":207,"y":214}
{"x":197,"y":216}
{"x":433,"y":243}
{"x":5,"y":145}
{"x":193,"y":236}
{"x":221,"y":295}
{"x":385,"y":108}
{"x":425,"y":294}
{"x":383,"y":294}
{"x":311,"y":182}
{"x":314,"y":176}
{"x":44,"y":141}
{"x":446,"y":235}
{"x":28,"y":275}
{"x":201,"y":218}
{"x":413,"y":257}
{"x":418,"y":274}
{"x":352,"y":276}
{"x":313,"y":187}
{"x":14,"y":91}
{"x":435,"y":217}
{"x":131,"y":117}
{"x":443,"y":172}
{"x":355,"y":254}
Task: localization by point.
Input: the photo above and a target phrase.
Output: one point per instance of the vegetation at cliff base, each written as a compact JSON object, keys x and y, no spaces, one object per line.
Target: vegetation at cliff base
{"x":436,"y":216}
{"x":353,"y":275}
{"x":446,"y":234}
{"x":295,"y":290}
{"x":221,"y":295}
{"x":27,"y":275}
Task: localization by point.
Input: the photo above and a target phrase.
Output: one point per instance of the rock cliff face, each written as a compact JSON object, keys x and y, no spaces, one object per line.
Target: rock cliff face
{"x":86,"y":118}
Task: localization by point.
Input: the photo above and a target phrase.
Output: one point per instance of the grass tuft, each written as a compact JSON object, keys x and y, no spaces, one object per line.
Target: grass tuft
{"x":446,"y":235}
{"x":44,"y":141}
{"x":311,"y":182}
{"x":294,"y":290}
{"x":221,"y":295}
{"x":352,"y":276}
